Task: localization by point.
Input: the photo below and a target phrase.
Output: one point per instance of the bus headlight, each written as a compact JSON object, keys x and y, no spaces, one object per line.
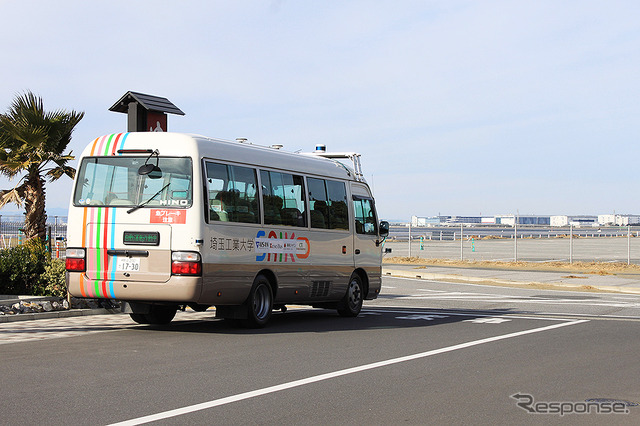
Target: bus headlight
{"x":186,"y":263}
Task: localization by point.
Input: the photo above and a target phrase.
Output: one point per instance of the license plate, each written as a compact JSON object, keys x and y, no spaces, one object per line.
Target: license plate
{"x":129,"y":264}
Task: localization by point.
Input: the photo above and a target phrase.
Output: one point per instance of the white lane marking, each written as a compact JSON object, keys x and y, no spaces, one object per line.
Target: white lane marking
{"x":487,"y":320}
{"x":321,"y":377}
{"x":473,"y":314}
{"x":516,"y":299}
{"x":422,"y":317}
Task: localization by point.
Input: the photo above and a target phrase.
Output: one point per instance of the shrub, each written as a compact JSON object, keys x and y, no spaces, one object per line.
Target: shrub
{"x":52,"y":280}
{"x":21,"y":268}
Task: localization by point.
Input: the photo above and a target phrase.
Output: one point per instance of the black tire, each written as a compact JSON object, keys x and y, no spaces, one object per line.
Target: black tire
{"x":351,"y":303}
{"x":259,"y":304}
{"x":139,"y":318}
{"x":199,"y":308}
{"x":159,"y":315}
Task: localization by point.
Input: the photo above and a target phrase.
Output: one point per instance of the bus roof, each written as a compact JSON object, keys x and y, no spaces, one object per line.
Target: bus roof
{"x":196,"y":146}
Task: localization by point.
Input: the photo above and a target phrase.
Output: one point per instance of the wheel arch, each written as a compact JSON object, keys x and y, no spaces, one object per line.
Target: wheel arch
{"x":365,"y":281}
{"x":271,"y":277}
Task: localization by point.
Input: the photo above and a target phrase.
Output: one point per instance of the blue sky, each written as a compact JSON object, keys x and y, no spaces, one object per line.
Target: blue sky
{"x":458,"y":107}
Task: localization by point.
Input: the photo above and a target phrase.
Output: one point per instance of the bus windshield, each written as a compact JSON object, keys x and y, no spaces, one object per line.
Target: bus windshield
{"x":116,"y":182}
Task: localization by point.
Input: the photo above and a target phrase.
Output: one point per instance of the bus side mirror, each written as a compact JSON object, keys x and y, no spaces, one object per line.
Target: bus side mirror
{"x":384,"y":228}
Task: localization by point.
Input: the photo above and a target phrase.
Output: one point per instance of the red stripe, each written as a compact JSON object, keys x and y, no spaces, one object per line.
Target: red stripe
{"x":84,"y":245}
{"x":115,"y":144}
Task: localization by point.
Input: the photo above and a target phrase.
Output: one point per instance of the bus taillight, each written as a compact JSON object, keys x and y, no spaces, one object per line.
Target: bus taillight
{"x":186,"y":263}
{"x":75,"y":260}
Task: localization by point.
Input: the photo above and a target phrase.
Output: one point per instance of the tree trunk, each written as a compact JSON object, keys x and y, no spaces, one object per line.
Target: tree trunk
{"x":34,"y":204}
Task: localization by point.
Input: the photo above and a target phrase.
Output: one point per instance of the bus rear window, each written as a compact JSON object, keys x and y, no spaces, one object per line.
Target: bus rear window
{"x":115,"y":182}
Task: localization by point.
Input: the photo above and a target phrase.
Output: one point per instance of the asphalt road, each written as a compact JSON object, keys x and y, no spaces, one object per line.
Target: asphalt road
{"x":424,"y":352}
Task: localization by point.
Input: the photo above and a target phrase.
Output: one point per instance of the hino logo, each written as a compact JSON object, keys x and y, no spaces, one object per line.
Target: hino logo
{"x":174,"y":202}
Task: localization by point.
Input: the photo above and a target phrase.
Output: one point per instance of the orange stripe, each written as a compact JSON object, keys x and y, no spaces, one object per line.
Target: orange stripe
{"x":93,"y":148}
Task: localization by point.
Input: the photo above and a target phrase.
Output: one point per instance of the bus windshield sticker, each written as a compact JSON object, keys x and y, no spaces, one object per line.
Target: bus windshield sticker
{"x":168,"y":216}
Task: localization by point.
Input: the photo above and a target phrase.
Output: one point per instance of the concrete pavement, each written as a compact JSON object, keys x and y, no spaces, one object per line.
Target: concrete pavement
{"x":627,"y":283}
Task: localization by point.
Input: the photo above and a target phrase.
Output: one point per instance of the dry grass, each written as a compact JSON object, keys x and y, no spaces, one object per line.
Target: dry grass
{"x":598,"y":268}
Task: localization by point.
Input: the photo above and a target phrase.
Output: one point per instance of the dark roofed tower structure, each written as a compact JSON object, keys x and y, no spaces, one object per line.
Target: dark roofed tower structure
{"x":145,"y":113}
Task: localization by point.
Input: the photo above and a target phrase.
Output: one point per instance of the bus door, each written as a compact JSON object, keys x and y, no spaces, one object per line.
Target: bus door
{"x":366,"y":243}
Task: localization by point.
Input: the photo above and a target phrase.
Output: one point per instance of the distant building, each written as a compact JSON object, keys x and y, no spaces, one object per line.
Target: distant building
{"x":618,"y":219}
{"x":532,"y":220}
{"x":564,"y":220}
{"x":428,"y":221}
{"x":606,"y":219}
{"x":526,"y":219}
{"x":457,"y":220}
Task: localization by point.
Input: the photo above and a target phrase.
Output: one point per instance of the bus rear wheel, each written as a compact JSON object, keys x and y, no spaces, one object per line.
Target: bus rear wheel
{"x":158,"y":315}
{"x":259,"y":304}
{"x":351,"y":303}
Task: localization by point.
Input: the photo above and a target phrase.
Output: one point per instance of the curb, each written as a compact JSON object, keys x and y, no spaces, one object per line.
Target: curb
{"x":503,"y":282}
{"x":57,"y":314}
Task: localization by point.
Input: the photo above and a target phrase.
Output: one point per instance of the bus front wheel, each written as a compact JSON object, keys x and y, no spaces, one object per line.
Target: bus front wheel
{"x":351,"y":303}
{"x":259,"y":303}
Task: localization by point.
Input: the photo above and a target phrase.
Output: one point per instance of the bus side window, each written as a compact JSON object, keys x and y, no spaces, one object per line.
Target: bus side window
{"x":328,"y":200}
{"x":232,"y":193}
{"x":283,"y":199}
{"x":365,"y":217}
{"x":338,"y":212}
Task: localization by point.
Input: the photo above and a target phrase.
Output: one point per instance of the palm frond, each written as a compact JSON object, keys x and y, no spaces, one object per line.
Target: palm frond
{"x":57,"y":172}
{"x":15,"y":195}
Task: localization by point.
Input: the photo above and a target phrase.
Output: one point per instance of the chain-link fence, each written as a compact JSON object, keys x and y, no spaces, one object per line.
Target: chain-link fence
{"x":12,"y":234}
{"x":613,"y":244}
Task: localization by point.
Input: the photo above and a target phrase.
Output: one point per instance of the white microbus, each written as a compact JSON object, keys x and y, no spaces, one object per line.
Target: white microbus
{"x":165,"y":220}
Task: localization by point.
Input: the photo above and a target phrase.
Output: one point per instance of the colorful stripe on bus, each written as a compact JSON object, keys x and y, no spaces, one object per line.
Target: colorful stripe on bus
{"x":100,"y":235}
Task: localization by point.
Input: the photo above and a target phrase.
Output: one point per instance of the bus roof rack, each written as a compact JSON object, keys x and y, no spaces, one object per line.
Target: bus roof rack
{"x":353,"y":156}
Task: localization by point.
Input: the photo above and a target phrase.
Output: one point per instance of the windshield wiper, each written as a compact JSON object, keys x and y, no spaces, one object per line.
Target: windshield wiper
{"x":145,"y":202}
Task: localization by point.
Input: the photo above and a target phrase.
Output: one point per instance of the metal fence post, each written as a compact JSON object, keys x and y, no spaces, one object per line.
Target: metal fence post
{"x":629,"y":245}
{"x":515,"y":240}
{"x":570,"y":243}
{"x":409,"y":239}
{"x":461,"y":242}
{"x":49,"y":241}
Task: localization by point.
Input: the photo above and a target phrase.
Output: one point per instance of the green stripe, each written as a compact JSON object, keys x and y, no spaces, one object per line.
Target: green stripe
{"x":98,"y":257}
{"x":106,"y":149}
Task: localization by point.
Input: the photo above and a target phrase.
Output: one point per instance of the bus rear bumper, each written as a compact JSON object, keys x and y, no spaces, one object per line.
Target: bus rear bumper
{"x":178,"y":289}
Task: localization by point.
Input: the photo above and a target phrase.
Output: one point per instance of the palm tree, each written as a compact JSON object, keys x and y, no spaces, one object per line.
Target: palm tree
{"x":32,"y":141}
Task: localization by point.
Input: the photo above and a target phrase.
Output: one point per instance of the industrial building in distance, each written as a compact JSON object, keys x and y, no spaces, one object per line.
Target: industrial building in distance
{"x":512,"y":219}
